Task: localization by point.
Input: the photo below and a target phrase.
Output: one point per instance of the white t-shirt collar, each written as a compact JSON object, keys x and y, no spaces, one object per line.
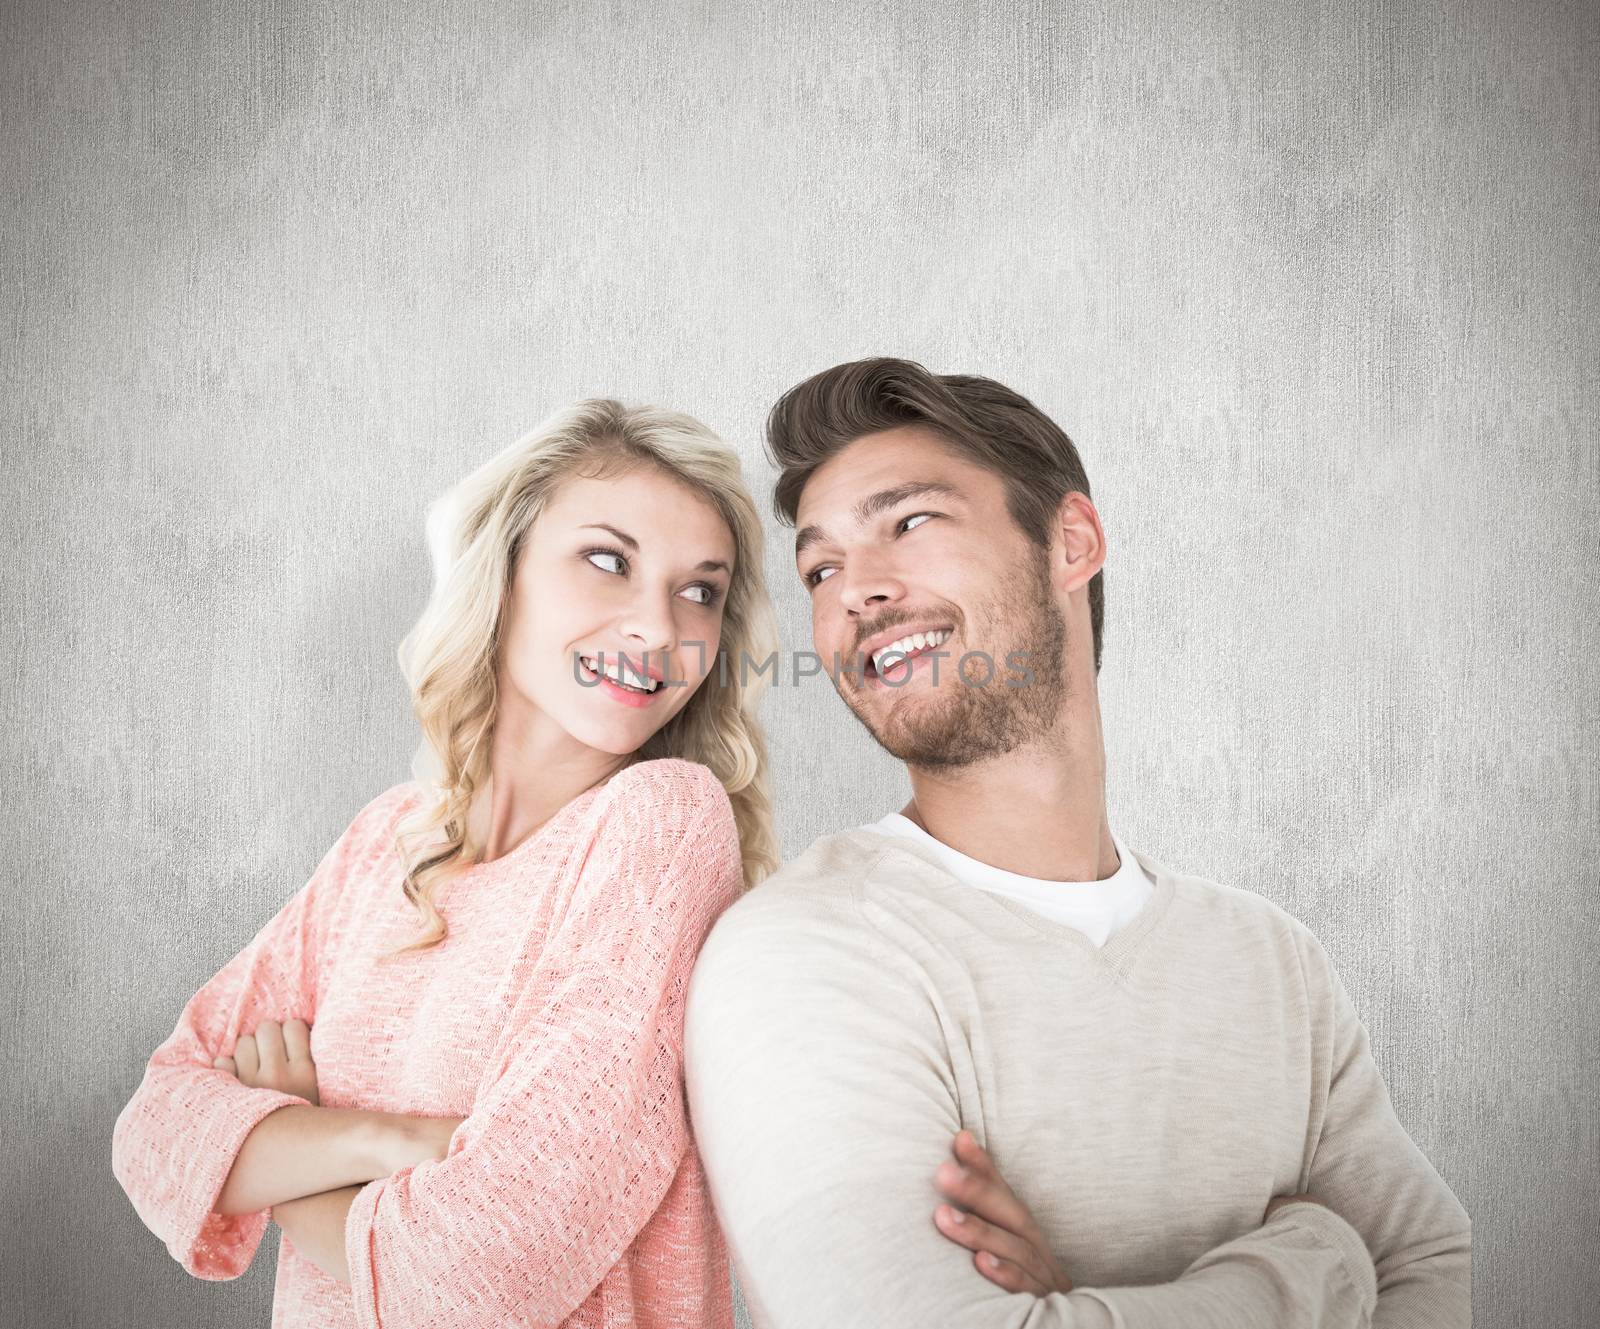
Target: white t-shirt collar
{"x":1095,"y":908}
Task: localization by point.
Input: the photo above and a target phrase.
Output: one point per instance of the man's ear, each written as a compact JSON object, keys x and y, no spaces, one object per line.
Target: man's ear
{"x":1077,"y":542}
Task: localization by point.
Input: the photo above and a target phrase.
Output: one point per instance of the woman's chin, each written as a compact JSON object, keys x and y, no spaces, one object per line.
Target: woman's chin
{"x":620,"y":740}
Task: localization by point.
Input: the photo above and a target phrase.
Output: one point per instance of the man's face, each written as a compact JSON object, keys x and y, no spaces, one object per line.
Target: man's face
{"x":903,"y":542}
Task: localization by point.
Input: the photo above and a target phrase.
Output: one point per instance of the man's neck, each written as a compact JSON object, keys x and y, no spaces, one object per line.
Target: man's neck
{"x":1039,"y":810}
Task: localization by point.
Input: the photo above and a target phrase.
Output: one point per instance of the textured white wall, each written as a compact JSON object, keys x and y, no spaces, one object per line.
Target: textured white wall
{"x":1313,"y":287}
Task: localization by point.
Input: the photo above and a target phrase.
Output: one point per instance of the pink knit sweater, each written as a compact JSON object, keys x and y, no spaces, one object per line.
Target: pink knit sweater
{"x":551,"y":1017}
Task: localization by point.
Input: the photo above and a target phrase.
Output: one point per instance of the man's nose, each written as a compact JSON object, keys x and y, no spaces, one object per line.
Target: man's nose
{"x":869,"y":581}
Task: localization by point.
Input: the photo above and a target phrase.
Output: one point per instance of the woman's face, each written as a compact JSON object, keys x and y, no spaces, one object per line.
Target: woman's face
{"x":627,"y":574}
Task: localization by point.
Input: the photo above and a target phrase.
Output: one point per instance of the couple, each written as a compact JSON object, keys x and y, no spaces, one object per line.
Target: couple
{"x":542,"y":1042}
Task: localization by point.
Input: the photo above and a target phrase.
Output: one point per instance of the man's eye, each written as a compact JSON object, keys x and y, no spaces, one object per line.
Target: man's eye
{"x":612,"y":554}
{"x":817,"y":575}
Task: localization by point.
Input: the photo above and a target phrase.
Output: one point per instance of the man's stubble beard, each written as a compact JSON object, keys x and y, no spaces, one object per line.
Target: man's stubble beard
{"x":962,"y":723}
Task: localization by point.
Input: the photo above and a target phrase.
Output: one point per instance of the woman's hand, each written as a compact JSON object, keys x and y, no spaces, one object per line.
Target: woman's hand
{"x":985,"y":1216}
{"x":275,"y":1057}
{"x":279,"y":1057}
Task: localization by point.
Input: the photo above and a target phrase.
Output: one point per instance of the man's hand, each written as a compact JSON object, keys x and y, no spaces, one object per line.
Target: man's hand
{"x":275,"y":1057}
{"x":986,"y":1217}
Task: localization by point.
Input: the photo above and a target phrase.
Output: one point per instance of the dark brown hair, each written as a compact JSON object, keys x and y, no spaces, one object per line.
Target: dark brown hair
{"x":985,"y":421}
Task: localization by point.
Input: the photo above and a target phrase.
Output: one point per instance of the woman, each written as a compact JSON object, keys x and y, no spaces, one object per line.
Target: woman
{"x":484,"y":1123}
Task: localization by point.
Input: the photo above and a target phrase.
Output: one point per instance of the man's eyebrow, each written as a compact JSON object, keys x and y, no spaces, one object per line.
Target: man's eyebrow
{"x":707,"y":565}
{"x":873,"y":504}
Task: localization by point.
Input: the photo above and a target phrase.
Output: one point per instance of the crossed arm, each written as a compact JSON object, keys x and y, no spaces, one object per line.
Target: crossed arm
{"x":580,"y":1097}
{"x":982,"y":1213}
{"x":798,"y":1027}
{"x":307,"y":1163}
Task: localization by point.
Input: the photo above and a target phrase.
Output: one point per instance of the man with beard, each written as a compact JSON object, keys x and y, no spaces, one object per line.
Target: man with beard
{"x":979,"y":1063}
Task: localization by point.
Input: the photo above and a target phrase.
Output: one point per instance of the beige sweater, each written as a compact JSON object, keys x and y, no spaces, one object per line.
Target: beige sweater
{"x":1146,"y":1100}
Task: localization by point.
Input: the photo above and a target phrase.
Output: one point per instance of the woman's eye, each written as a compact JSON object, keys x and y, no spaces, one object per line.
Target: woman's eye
{"x":595,"y":554}
{"x":703,"y":594}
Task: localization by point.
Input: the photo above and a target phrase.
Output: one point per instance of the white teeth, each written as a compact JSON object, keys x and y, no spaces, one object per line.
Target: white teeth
{"x":906,"y":645}
{"x":621,"y":675}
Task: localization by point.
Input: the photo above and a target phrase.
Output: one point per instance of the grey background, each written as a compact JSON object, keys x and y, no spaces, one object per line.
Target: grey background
{"x":1313,"y":287}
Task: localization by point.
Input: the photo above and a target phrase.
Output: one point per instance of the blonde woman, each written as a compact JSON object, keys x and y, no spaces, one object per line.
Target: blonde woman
{"x":450,"y":1069}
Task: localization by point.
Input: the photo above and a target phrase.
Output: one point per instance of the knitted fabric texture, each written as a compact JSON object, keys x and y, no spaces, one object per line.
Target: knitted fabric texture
{"x":550,"y":1017}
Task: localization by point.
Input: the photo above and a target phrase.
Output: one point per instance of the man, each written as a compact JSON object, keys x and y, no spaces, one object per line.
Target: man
{"x":1162,"y":1098}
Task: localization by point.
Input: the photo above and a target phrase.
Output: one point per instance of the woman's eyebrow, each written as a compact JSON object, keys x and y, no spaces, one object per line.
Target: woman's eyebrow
{"x":875,"y":503}
{"x":621,"y":535}
{"x":706,"y":565}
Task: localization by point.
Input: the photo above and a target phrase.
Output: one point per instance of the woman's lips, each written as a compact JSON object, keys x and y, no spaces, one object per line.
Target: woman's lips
{"x":621,"y":694}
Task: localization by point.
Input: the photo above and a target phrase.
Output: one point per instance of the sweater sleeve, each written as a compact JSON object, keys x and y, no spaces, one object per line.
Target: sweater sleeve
{"x":579,"y":1125}
{"x":1367,"y":1168}
{"x":1403,"y":1239}
{"x":176,"y":1140}
{"x":821,"y":1090}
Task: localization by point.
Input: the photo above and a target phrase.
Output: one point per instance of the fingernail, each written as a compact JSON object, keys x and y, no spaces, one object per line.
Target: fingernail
{"x":956,"y":1216}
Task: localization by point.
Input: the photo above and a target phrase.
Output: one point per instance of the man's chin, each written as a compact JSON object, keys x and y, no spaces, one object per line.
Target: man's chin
{"x":919,"y":730}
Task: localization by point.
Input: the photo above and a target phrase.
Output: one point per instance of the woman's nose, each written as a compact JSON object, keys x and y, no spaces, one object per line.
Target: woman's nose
{"x":649,"y":628}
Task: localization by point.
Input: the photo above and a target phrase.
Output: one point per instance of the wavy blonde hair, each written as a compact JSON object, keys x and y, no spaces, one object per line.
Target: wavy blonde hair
{"x":476,"y":530}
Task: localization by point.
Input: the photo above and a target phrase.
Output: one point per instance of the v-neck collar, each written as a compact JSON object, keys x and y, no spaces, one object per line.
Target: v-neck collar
{"x":1118,"y":946}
